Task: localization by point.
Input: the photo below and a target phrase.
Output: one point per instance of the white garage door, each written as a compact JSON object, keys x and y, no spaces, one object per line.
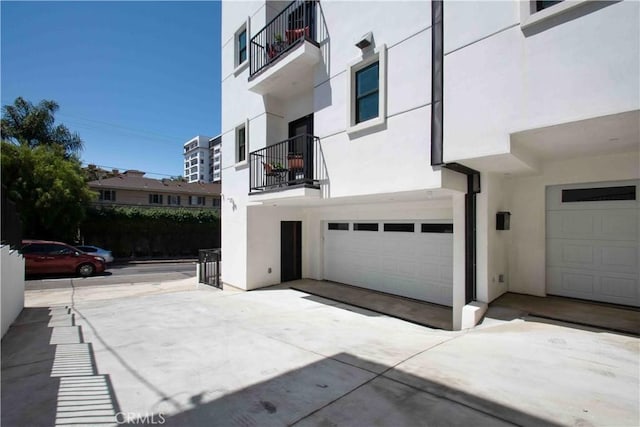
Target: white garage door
{"x":593,"y":234}
{"x":414,"y":260}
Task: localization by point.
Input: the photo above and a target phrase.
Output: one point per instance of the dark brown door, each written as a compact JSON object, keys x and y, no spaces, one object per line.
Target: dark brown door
{"x":290,"y":250}
{"x":301,"y":149}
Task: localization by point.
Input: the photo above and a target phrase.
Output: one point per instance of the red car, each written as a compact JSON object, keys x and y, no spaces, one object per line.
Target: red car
{"x":42,"y":257}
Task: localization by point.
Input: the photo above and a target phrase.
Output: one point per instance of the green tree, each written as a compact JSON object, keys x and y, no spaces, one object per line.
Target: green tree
{"x":49,"y":190}
{"x":33,"y":126}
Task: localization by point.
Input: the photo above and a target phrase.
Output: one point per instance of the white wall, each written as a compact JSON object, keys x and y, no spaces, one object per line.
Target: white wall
{"x":526,"y":202}
{"x":500,"y":80}
{"x":12,"y":286}
{"x":492,"y":244}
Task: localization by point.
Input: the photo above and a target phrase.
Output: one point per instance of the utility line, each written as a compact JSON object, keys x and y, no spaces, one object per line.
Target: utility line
{"x":114,"y":125}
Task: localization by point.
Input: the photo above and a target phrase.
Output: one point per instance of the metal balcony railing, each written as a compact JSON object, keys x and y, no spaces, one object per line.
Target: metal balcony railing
{"x":293,"y":162}
{"x":295,"y":24}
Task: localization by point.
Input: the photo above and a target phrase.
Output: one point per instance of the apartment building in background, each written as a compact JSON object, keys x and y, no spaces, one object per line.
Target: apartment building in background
{"x":447,"y":152}
{"x":215,"y":158}
{"x":132,"y":188}
{"x":202,"y":159}
{"x":196,"y":159}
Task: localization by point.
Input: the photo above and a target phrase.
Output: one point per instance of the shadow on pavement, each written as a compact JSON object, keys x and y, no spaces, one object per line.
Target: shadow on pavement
{"x":49,"y":374}
{"x":328,"y":392}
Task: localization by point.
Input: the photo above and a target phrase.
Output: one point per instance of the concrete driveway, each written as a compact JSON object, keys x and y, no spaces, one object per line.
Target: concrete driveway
{"x":177,"y":354}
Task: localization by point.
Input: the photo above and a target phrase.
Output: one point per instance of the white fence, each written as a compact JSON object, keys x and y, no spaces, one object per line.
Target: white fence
{"x":12,"y":285}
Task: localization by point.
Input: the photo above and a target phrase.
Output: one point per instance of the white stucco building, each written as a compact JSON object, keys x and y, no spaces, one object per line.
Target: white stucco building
{"x":197,"y":162}
{"x":376,"y":147}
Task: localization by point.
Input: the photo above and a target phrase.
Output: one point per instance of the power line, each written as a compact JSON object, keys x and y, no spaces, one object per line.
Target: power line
{"x":118,"y":126}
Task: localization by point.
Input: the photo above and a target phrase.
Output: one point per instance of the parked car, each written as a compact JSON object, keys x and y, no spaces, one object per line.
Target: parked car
{"x":42,"y":257}
{"x":94,"y":250}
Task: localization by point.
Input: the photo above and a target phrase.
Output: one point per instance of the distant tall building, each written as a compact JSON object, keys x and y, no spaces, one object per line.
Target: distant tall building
{"x":215,"y":168}
{"x":196,"y":159}
{"x":202,"y":159}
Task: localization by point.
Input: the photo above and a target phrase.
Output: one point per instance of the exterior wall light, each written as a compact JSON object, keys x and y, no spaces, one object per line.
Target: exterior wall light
{"x":365,"y":41}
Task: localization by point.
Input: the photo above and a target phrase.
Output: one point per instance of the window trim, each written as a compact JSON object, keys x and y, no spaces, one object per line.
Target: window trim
{"x":379,"y":55}
{"x":238,"y":162}
{"x":530,"y":17}
{"x":238,"y":67}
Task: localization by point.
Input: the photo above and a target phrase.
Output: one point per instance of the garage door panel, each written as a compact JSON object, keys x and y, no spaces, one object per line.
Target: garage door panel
{"x":619,"y":258}
{"x":619,"y":287}
{"x":415,"y":265}
{"x":621,"y":225}
{"x":593,"y":247}
{"x":564,"y":280}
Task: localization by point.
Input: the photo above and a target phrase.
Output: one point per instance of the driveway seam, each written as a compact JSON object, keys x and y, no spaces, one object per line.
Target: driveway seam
{"x":377,"y":375}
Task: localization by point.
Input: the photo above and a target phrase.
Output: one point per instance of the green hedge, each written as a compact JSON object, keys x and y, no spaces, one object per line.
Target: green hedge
{"x":131,"y":232}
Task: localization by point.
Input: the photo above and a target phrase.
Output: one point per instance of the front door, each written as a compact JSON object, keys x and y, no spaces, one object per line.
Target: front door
{"x":290,"y":250}
{"x":300,"y":151}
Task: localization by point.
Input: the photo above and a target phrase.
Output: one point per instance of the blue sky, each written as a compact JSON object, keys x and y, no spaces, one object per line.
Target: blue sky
{"x":136,"y":80}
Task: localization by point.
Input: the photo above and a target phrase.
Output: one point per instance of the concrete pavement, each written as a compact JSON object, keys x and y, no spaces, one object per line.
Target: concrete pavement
{"x":188,"y":355}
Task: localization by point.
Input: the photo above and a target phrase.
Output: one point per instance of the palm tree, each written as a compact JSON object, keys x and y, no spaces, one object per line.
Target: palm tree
{"x":30,"y":125}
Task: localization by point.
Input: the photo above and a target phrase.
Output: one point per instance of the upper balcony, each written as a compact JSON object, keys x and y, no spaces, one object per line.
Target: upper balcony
{"x":290,"y":169}
{"x":283,"y":53}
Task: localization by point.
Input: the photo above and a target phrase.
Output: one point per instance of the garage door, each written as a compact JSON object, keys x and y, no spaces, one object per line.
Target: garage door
{"x":414,"y":260}
{"x":593,"y":234}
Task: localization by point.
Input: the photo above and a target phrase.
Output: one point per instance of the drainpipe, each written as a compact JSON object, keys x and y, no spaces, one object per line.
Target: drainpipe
{"x":437,"y":138}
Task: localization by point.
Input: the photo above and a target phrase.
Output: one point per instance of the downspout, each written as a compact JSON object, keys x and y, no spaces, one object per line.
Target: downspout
{"x":437,"y":139}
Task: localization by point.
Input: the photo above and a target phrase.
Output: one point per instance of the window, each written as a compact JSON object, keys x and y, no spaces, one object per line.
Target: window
{"x":241,"y":143}
{"x":339,"y":226}
{"x":216,"y":203}
{"x":436,"y":228}
{"x":365,"y":226}
{"x":241,"y":46}
{"x":173,"y":200}
{"x":543,"y":4}
{"x":155,"y":199}
{"x":407,"y":227}
{"x":367,"y":85}
{"x":599,"y":194}
{"x":367,"y":99}
{"x":196,"y":200}
{"x":107,"y":195}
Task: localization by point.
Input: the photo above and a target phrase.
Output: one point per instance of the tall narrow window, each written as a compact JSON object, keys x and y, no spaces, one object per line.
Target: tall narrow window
{"x":242,"y":46}
{"x":367,"y":92}
{"x":241,"y":144}
{"x":367,"y":88}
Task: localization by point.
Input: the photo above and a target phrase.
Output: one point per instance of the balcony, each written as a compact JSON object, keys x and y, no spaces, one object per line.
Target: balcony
{"x":293,"y":166}
{"x":283,"y":53}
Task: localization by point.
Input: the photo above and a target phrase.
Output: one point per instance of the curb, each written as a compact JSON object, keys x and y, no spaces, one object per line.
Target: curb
{"x":155,"y":261}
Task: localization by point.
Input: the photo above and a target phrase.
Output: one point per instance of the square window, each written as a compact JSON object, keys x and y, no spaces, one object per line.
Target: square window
{"x":155,"y":199}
